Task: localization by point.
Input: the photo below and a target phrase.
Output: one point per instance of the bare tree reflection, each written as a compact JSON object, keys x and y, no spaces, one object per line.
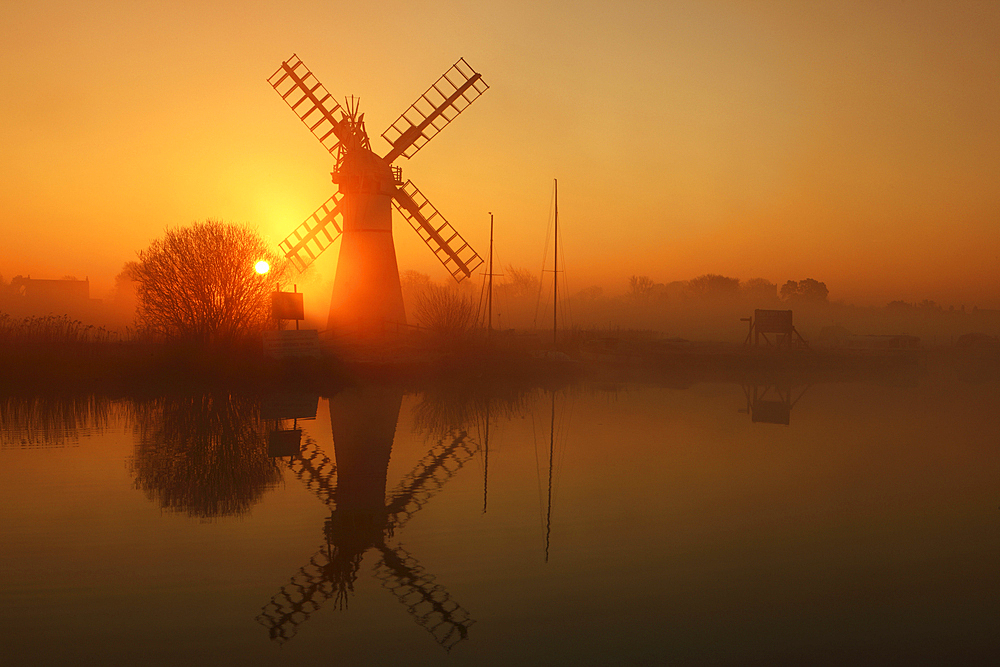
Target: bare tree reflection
{"x":205,"y":456}
{"x":51,"y":420}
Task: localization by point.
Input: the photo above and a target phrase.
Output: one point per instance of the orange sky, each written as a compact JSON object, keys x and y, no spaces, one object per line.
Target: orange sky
{"x":857,"y":143}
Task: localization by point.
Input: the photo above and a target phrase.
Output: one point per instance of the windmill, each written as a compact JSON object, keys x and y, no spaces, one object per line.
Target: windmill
{"x":364,"y":518}
{"x":366,"y":291}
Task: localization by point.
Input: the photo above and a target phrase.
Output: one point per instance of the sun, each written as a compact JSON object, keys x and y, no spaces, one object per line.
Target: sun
{"x":262,"y":267}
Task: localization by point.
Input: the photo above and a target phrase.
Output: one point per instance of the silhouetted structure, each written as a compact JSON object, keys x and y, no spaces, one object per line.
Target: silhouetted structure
{"x":33,"y":296}
{"x":366,"y":292}
{"x":66,"y":290}
{"x":778,"y":323}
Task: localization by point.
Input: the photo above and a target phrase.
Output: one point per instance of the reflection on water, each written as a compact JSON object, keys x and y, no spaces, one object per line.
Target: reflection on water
{"x":668,"y":529}
{"x":445,"y":408}
{"x":52,"y":421}
{"x":205,"y":456}
{"x":363,"y":517}
{"x":771,"y":404}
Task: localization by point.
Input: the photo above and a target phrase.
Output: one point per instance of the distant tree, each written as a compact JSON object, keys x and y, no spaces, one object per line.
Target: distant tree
{"x":759,"y":289}
{"x":125,"y":282}
{"x":639,"y":288}
{"x":813,"y":290}
{"x":789,"y":290}
{"x":808,"y":291}
{"x":714,"y":286}
{"x":520,"y":282}
{"x":589,"y":294}
{"x":414,"y":280}
{"x":675,"y":289}
{"x":198,"y":284}
{"x":129,"y":273}
{"x":928,"y":305}
{"x":413,"y":284}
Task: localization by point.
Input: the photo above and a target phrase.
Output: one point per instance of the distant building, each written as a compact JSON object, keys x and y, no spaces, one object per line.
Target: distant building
{"x":33,"y":296}
{"x":65,"y":291}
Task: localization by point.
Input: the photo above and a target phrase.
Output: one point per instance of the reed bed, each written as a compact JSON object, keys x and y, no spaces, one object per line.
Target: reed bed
{"x":51,"y":330}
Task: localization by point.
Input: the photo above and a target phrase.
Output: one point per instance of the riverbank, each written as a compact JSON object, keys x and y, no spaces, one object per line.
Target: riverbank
{"x":150,"y":368}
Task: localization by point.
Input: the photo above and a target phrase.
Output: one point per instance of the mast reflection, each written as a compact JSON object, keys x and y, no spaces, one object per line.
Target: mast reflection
{"x":363,"y":517}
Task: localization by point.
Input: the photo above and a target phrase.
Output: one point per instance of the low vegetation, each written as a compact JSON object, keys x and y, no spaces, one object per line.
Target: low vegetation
{"x":49,"y":330}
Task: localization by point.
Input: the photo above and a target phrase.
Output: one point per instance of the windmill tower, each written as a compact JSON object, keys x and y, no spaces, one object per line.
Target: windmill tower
{"x":366,"y":293}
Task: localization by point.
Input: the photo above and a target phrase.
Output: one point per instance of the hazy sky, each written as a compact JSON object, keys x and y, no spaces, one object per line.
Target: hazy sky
{"x":857,"y":143}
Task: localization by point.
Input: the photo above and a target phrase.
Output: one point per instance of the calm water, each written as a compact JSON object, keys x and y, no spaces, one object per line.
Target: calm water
{"x":604,"y":523}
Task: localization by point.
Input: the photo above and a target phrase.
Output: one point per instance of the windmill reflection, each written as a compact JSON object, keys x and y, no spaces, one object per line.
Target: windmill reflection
{"x":363,"y":517}
{"x":203,"y":455}
{"x":471,"y":407}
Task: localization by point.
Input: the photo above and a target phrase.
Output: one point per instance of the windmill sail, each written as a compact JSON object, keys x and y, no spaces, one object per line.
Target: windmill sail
{"x":428,"y":477}
{"x":309,"y":588}
{"x":309,"y":100}
{"x":447,"y":244}
{"x":315,"y":469}
{"x":457,"y":88}
{"x":315,"y":235}
{"x":428,"y":602}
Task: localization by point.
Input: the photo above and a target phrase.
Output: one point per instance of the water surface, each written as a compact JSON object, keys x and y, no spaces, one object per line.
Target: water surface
{"x":597,"y":523}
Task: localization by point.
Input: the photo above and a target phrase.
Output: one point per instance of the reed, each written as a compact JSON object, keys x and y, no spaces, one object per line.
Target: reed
{"x":50,"y":330}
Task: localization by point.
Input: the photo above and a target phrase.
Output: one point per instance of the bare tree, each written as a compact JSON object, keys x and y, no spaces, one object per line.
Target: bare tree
{"x":520,"y":282}
{"x":640,"y":287}
{"x":413,"y":284}
{"x":199,"y":284}
{"x":445,"y":311}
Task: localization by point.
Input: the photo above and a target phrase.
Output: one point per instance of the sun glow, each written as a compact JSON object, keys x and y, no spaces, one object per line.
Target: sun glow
{"x":262,"y":267}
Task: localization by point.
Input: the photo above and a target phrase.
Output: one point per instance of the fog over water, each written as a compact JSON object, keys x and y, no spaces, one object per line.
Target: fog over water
{"x":848,"y":519}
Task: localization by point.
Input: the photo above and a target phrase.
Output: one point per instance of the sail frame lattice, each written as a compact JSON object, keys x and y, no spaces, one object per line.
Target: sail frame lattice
{"x":310,"y":101}
{"x":428,"y":602}
{"x":440,"y":104}
{"x":439,"y":464}
{"x":313,"y":236}
{"x":459,"y":258}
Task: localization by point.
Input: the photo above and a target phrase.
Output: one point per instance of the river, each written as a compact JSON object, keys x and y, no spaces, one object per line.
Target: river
{"x":600,"y":522}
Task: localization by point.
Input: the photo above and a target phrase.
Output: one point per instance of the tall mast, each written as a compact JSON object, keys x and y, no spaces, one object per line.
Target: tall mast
{"x":555,"y":268}
{"x":489,"y":295}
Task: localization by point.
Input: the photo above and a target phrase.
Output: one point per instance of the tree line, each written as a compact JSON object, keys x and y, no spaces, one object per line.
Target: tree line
{"x":714,"y":287}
